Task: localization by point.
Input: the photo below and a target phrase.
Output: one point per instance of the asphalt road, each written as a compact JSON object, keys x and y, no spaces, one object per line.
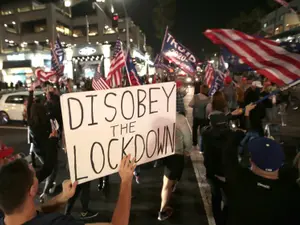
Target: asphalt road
{"x":186,"y":202}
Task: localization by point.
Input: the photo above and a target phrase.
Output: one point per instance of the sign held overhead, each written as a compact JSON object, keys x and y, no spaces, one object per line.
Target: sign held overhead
{"x":102,"y":126}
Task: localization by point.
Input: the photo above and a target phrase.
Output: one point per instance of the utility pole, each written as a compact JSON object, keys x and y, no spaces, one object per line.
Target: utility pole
{"x":127,"y":25}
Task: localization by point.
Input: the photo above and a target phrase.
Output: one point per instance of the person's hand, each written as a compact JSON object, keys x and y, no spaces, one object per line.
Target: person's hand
{"x":127,"y":168}
{"x":68,"y":191}
{"x":53,"y":134}
{"x":237,"y":112}
{"x":249,"y":108}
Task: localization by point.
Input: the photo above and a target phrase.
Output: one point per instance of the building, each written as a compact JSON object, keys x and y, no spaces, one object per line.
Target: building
{"x":27,"y":29}
{"x":282,"y":24}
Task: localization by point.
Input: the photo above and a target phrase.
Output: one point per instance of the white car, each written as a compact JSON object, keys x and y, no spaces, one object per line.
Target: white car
{"x":12,"y":105}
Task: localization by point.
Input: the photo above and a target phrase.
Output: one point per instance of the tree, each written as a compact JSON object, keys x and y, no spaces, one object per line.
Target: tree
{"x":163,"y":16}
{"x":248,"y":23}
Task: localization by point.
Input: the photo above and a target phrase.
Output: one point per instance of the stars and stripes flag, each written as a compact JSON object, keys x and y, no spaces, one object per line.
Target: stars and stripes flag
{"x":99,"y":83}
{"x":286,"y":5}
{"x":276,"y":61}
{"x":209,"y":74}
{"x":114,"y":78}
{"x":57,"y":58}
{"x":132,"y":72}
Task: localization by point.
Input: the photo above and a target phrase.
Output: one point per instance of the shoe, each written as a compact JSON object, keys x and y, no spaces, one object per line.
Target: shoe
{"x":164,"y":215}
{"x":52,"y":189}
{"x":88,"y":215}
{"x":137,"y":179}
{"x":174,"y":187}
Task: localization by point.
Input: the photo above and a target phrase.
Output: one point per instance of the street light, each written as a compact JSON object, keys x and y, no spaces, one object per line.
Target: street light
{"x":68,"y":3}
{"x":127,"y":25}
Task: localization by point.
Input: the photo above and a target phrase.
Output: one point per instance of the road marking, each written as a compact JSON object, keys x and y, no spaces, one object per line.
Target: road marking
{"x":200,"y":171}
{"x":12,"y":127}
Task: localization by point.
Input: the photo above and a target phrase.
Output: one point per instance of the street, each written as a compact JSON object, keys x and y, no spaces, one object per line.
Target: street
{"x":191,"y":201}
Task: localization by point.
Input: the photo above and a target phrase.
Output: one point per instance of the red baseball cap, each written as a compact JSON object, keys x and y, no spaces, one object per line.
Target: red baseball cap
{"x":228,"y":80}
{"x":178,"y":84}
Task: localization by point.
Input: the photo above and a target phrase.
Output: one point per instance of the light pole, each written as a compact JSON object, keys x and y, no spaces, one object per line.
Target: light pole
{"x":127,"y":25}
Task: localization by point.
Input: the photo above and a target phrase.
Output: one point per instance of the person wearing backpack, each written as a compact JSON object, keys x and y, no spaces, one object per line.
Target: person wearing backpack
{"x":199,"y":104}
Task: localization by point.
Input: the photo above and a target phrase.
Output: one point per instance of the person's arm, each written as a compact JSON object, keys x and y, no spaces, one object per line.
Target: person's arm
{"x":187,"y":136}
{"x":192,"y":102}
{"x":122,"y":210}
{"x":61,"y":199}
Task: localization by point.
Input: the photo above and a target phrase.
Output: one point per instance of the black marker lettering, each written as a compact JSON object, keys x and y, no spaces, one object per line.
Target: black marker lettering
{"x":110,"y":106}
{"x":124,"y":147}
{"x":138,"y":147}
{"x":154,"y":142}
{"x":160,"y":145}
{"x":92,"y":157}
{"x":75,"y":166}
{"x":92,"y":109}
{"x":152,"y":101}
{"x":170,"y":137}
{"x":114,"y":130}
{"x":122,"y":105}
{"x":140,"y":102}
{"x":124,"y":128}
{"x":108,"y":154}
{"x":70,"y":113}
{"x":131,"y":126}
{"x":168,"y":96}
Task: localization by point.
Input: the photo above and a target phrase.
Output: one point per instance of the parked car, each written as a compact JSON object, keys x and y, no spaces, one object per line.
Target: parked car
{"x":12,"y":105}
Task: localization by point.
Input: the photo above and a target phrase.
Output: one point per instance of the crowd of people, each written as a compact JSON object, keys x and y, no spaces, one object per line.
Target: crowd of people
{"x":250,"y":180}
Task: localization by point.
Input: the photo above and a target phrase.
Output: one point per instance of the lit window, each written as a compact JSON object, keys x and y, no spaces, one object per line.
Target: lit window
{"x":25,"y":9}
{"x":6,"y":12}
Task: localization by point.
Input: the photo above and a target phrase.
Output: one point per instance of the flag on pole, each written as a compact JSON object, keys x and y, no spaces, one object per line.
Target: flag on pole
{"x":217,"y":83}
{"x":57,"y":58}
{"x":99,"y":83}
{"x":286,"y":5}
{"x":209,"y":74}
{"x":133,"y":75}
{"x":276,"y":61}
{"x":114,"y":78}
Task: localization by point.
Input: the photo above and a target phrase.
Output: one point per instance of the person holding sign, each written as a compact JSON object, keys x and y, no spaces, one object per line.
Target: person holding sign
{"x":174,"y":164}
{"x":17,"y":195}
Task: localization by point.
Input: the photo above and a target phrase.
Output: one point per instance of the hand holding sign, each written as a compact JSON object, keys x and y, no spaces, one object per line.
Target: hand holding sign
{"x":127,"y":168}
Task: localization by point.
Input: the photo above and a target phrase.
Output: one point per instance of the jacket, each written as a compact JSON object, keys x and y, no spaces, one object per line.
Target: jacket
{"x":199,"y":104}
{"x":184,"y":141}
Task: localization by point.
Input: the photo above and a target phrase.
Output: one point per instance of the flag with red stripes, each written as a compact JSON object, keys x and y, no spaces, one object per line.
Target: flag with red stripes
{"x":115,"y":75}
{"x":209,"y":74}
{"x":265,"y":56}
{"x":99,"y":83}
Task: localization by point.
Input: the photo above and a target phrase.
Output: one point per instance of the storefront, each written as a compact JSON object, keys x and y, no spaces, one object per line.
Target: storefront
{"x":20,"y":67}
{"x":86,"y":59}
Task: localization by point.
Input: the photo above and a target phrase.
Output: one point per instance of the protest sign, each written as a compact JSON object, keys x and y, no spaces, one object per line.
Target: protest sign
{"x":102,"y":126}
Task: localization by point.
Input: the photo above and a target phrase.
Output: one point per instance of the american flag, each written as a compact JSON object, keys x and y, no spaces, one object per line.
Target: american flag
{"x":133,"y":75}
{"x":267,"y":57}
{"x":209,"y":74}
{"x":99,"y":83}
{"x":114,"y":78}
{"x":57,"y":58}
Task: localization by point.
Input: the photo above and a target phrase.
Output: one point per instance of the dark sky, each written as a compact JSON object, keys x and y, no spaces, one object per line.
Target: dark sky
{"x":193,"y":17}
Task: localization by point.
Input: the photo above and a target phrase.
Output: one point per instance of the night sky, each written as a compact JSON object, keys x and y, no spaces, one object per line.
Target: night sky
{"x":193,"y":17}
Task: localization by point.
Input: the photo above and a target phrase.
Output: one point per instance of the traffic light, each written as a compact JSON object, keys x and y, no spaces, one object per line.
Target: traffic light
{"x":115,"y":21}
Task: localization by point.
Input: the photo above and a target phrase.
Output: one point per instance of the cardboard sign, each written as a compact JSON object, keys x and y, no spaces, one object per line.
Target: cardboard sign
{"x":102,"y":126}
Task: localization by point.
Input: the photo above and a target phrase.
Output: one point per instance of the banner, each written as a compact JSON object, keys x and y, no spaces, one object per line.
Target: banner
{"x":173,"y":51}
{"x":103,"y":126}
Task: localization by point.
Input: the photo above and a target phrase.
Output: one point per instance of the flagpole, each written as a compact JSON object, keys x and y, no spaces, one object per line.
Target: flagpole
{"x":126,"y":68}
{"x":87,"y":29}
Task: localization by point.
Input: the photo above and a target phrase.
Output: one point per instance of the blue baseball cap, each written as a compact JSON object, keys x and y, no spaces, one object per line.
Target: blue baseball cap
{"x":266,"y":154}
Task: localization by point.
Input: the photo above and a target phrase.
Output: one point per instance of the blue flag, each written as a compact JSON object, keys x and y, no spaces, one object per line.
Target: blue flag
{"x":133,"y":75}
{"x":218,"y":82}
{"x":173,"y":51}
{"x":235,"y":65}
